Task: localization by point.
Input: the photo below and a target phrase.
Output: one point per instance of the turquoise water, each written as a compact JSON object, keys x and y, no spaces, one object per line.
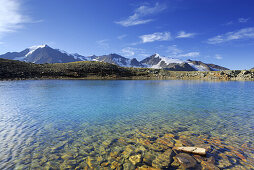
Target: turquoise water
{"x":41,"y":120}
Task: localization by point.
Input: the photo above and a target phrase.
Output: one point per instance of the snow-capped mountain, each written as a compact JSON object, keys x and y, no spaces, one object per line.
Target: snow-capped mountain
{"x":157,"y":61}
{"x":42,"y":54}
{"x":45,"y":54}
{"x":117,"y":59}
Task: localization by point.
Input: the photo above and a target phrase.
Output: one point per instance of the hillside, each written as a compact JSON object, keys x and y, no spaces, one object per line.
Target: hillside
{"x":15,"y":70}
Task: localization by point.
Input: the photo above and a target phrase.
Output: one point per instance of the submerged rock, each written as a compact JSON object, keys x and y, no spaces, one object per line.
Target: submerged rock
{"x":206,"y":165}
{"x":149,"y":157}
{"x":158,"y":147}
{"x":128,"y":151}
{"x":163,"y":160}
{"x":166,"y":140}
{"x":115,"y":165}
{"x":223,"y":161}
{"x":91,"y":162}
{"x":135,"y":159}
{"x":128,"y":166}
{"x":140,"y":149}
{"x":194,"y":150}
{"x":145,"y":167}
{"x":186,"y":161}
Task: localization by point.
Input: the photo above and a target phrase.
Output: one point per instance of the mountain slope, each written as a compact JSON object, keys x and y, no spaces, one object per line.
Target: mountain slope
{"x":44,"y":54}
{"x":157,"y":61}
{"x":118,"y":60}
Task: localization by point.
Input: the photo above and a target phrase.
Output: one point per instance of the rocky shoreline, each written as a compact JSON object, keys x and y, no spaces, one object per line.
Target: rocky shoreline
{"x":16,"y":70}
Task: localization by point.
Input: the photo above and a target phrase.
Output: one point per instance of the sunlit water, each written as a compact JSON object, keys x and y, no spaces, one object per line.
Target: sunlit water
{"x":42,"y":119}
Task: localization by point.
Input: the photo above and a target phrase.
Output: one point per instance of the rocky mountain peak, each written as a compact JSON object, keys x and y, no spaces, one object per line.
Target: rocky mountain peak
{"x":45,"y":54}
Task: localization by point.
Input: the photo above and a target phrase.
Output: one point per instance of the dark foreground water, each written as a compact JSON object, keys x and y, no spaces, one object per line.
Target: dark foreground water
{"x":81,"y":123}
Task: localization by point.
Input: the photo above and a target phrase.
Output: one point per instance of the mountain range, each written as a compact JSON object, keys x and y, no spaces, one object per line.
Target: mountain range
{"x":45,"y":54}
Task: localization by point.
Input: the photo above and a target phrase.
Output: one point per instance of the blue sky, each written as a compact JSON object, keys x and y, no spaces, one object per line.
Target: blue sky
{"x":213,"y":31}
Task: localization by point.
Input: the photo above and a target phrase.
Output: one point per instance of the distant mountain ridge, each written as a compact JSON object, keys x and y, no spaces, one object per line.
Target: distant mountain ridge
{"x":44,"y":54}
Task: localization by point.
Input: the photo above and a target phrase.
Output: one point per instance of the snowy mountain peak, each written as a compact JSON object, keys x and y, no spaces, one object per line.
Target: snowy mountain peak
{"x":44,"y":54}
{"x":33,"y":48}
{"x":156,"y":55}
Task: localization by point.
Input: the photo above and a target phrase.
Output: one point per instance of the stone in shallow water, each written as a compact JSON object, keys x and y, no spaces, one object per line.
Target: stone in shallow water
{"x":59,"y":146}
{"x":208,"y":166}
{"x":223,"y":161}
{"x":35,"y":164}
{"x":149,"y":157}
{"x":194,"y":150}
{"x":158,"y":147}
{"x":114,"y":154}
{"x":91,"y":162}
{"x":128,"y":166}
{"x":166,"y":140}
{"x":178,"y":143}
{"x":175,"y":163}
{"x":163,"y":160}
{"x":186,"y":161}
{"x":115,"y":165}
{"x":122,"y":141}
{"x":104,"y":164}
{"x":67,"y":156}
{"x":128,"y":151}
{"x":140,"y":149}
{"x":135,"y":159}
{"x":107,"y":143}
{"x":144,"y":142}
{"x":145,"y":167}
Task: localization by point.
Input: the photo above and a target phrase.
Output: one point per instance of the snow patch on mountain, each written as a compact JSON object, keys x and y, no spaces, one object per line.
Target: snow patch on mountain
{"x":62,"y":51}
{"x":166,"y":60}
{"x":122,"y":62}
{"x":33,"y":48}
{"x":20,"y":58}
{"x":79,"y":57}
{"x":198,"y":67}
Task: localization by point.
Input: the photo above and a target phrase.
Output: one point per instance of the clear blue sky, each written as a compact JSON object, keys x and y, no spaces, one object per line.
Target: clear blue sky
{"x":213,"y":31}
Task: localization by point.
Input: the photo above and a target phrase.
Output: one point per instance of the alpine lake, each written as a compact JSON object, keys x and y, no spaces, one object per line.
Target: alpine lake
{"x":126,"y":124}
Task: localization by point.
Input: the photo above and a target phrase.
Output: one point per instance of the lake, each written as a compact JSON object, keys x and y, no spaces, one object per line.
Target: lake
{"x":80,"y":123}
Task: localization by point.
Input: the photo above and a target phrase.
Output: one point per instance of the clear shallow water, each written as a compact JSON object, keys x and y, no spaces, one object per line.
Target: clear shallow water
{"x":42,"y":121}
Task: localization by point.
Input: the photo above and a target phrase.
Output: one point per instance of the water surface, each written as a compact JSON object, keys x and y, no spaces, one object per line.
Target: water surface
{"x":43,"y":120}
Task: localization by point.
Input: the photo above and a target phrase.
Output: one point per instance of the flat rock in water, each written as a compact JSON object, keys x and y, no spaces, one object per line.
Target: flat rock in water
{"x":194,"y":150}
{"x":186,"y":161}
